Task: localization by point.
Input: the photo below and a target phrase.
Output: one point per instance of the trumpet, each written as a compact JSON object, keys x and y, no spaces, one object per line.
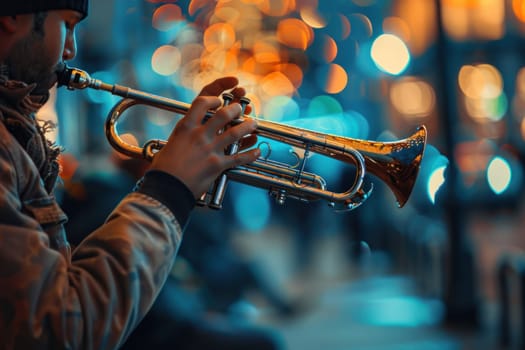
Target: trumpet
{"x":396,"y":163}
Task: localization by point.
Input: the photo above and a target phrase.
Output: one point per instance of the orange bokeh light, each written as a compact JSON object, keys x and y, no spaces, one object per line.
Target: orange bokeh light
{"x":277,"y":84}
{"x":166,"y":16}
{"x":219,"y":36}
{"x":329,"y":48}
{"x":68,"y":165}
{"x":265,"y":52}
{"x":221,"y":61}
{"x":311,"y":15}
{"x":518,"y":7}
{"x":196,"y":5}
{"x":294,"y":33}
{"x":336,"y":79}
{"x":293,"y":72}
{"x":276,"y":8}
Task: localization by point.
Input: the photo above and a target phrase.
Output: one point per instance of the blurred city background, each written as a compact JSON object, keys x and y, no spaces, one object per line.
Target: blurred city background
{"x":442,"y":272}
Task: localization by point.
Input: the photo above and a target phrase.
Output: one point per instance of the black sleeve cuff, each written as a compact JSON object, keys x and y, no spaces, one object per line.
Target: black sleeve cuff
{"x":170,"y":191}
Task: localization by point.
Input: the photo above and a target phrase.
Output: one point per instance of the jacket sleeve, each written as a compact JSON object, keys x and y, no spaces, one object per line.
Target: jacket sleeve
{"x":97,"y":298}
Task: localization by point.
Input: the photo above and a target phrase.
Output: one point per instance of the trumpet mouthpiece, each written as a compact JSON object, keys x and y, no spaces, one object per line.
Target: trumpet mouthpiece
{"x":63,"y":74}
{"x":72,"y":78}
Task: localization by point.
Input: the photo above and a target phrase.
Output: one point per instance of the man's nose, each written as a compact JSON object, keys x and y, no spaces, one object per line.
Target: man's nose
{"x":70,"y":48}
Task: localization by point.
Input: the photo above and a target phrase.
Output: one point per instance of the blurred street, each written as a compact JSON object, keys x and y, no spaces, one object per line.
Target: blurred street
{"x":370,"y":305}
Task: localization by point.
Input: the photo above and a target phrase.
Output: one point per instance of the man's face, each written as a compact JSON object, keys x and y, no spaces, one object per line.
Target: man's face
{"x":35,"y":57}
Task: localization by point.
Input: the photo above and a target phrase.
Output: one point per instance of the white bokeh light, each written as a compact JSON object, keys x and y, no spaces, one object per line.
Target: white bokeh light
{"x":390,"y":54}
{"x":435,"y":181}
{"x":499,"y":175}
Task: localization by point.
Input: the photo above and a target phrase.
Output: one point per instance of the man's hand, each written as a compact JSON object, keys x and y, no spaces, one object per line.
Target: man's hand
{"x":194,"y":152}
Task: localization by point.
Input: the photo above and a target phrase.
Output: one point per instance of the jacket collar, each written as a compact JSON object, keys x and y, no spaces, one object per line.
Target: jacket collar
{"x":18,"y":95}
{"x":17,"y":109}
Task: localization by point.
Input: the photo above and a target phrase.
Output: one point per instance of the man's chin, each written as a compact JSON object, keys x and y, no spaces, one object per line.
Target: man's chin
{"x":43,"y":87}
{"x":50,"y":79}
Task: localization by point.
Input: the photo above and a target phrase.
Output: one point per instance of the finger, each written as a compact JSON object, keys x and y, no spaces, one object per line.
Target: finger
{"x":219,"y":86}
{"x":198,"y":109}
{"x":236,"y":133}
{"x":242,"y":158}
{"x":222,"y":118}
{"x":238,"y":92}
{"x":248,"y":141}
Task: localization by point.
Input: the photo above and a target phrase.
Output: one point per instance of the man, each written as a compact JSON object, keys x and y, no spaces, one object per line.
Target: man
{"x":94,"y":296}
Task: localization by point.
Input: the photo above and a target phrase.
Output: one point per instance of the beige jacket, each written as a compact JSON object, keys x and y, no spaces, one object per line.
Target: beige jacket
{"x":94,"y":296}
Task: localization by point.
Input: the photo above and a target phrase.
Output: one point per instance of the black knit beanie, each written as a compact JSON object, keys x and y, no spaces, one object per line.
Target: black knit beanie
{"x":16,"y":7}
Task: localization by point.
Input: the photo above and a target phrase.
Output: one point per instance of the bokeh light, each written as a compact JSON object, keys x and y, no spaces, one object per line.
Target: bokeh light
{"x":294,"y":33}
{"x":323,"y":106}
{"x":435,"y":181}
{"x":166,"y":17}
{"x":480,"y":81}
{"x":325,"y":48}
{"x":415,"y":22}
{"x":482,"y":86}
{"x":281,"y":108}
{"x":487,"y":109}
{"x":69,"y":165}
{"x":276,"y":8}
{"x":276,"y":83}
{"x":219,"y":36}
{"x":332,"y":78}
{"x":468,"y":19}
{"x":166,"y":60}
{"x":518,"y":7}
{"x":390,"y":54}
{"x":413,"y":97}
{"x":499,"y":175}
{"x":293,"y":72}
{"x":361,"y":26}
{"x":432,"y":175}
{"x":338,"y":26}
{"x":310,"y":15}
{"x":520,"y":83}
{"x":266,"y":51}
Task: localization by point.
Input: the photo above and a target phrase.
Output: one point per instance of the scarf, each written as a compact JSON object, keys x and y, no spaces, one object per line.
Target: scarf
{"x":17,"y":111}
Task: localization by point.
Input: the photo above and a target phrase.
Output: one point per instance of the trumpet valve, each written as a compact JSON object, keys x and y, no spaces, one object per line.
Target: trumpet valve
{"x":227,"y":98}
{"x":244,"y":101}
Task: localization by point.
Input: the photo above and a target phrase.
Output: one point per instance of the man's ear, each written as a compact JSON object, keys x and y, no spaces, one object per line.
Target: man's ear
{"x":8,"y":24}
